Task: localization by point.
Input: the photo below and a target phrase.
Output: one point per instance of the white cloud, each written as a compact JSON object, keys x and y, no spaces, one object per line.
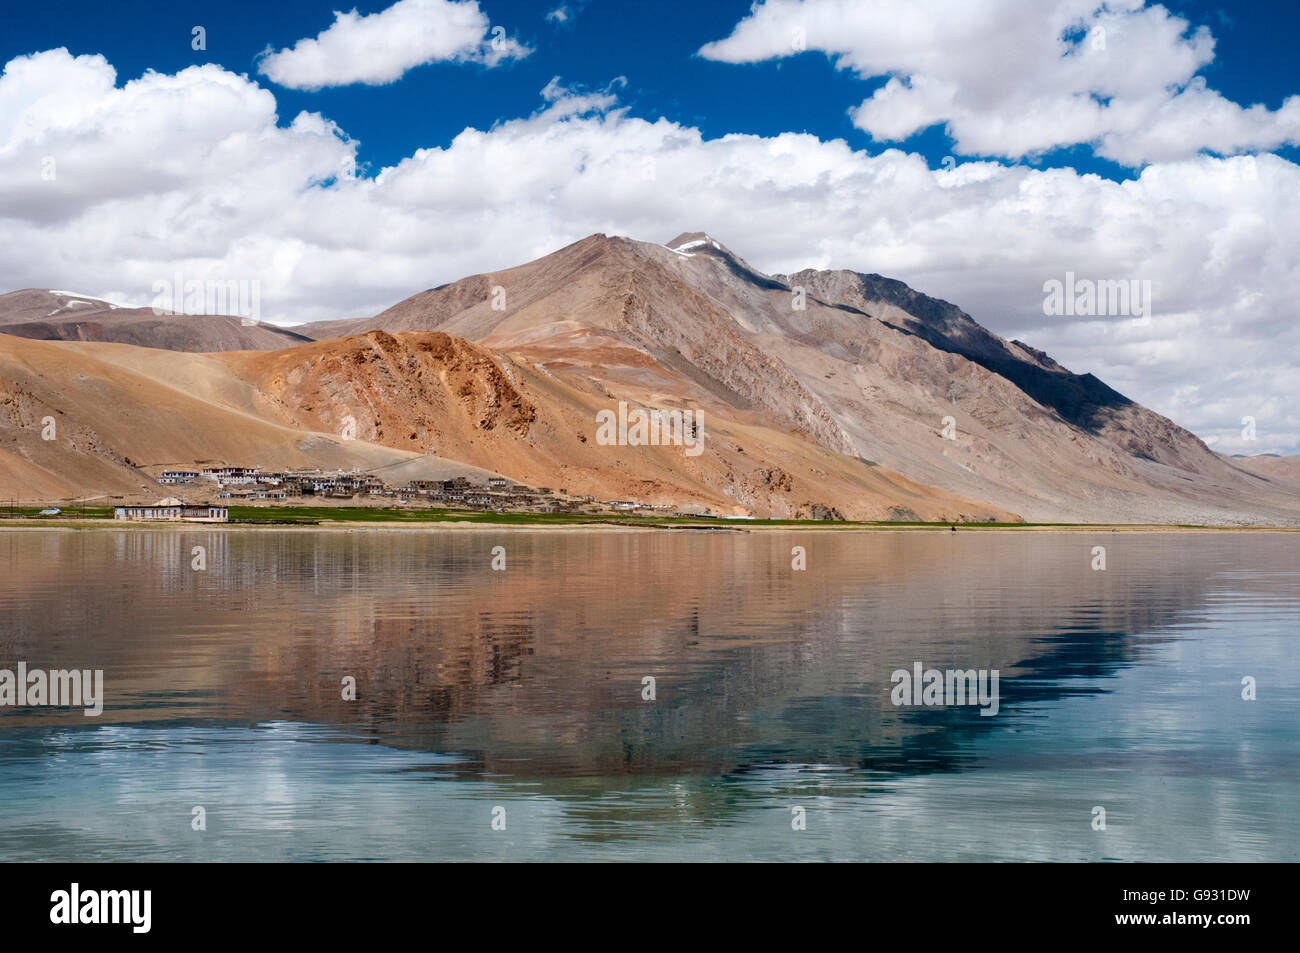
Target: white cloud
{"x":191,"y":172}
{"x":1011,"y":78}
{"x":564,"y":14}
{"x":381,"y":47}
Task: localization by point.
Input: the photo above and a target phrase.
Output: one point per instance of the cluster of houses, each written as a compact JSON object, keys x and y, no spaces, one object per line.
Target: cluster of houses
{"x":240,"y":484}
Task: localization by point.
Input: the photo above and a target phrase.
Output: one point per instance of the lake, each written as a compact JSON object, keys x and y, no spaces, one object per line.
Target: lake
{"x":651,"y":695}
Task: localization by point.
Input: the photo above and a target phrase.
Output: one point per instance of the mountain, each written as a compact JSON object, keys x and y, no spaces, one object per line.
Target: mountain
{"x":1273,"y":466}
{"x":821,"y":392}
{"x":116,"y":409}
{"x":861,"y":365}
{"x":414,"y":396}
{"x":31,"y":305}
{"x":64,"y":316}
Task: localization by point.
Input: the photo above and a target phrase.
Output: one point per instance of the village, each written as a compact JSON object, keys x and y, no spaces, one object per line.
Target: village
{"x":206,"y":493}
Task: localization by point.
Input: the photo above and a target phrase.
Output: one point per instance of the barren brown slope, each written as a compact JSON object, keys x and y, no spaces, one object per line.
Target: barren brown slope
{"x":1278,"y":467}
{"x":61,"y":316}
{"x":116,"y":408}
{"x":635,"y":299}
{"x":36,"y":304}
{"x":852,"y":368}
{"x":1039,"y":433}
{"x":433,"y":392}
{"x":864,"y":369}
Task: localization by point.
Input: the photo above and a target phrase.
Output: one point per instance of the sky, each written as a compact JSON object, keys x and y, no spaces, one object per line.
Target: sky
{"x":977,"y":149}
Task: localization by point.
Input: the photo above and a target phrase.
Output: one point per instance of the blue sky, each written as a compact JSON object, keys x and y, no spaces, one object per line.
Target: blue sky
{"x":653,"y":45}
{"x":1123,"y":141}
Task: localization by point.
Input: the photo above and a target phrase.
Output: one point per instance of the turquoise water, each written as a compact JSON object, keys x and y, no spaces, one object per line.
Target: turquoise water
{"x":521,"y":692}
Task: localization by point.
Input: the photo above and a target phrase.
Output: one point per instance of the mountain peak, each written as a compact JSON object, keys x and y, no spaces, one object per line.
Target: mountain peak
{"x":41,"y":304}
{"x":691,"y":241}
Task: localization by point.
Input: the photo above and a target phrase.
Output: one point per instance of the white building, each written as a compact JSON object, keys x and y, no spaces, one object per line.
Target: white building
{"x":178,"y":476}
{"x":173,"y":510}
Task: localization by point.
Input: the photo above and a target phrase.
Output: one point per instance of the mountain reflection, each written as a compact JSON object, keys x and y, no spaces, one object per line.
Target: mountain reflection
{"x":537,"y":670}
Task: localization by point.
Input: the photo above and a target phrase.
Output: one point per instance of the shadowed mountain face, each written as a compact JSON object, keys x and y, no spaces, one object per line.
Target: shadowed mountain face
{"x":1081,"y":399}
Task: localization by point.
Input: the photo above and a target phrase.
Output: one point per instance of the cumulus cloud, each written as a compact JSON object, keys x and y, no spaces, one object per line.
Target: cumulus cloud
{"x":1011,"y":78}
{"x":193,"y":172}
{"x":381,"y":47}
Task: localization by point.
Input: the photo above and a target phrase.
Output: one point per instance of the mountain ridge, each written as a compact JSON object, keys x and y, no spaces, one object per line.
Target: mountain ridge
{"x":856,"y":365}
{"x":83,"y":318}
{"x":867,"y":366}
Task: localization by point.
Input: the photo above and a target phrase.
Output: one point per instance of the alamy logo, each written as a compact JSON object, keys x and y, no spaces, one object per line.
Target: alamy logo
{"x":75,"y":905}
{"x":1088,"y":298}
{"x":651,"y":428}
{"x":947,"y":688}
{"x":65,"y":688}
{"x":241,"y":298}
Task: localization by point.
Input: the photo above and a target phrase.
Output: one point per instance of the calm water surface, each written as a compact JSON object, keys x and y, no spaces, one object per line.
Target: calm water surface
{"x":522,"y":690}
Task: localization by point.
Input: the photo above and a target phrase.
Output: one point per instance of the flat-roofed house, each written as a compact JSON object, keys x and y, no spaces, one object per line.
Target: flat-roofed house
{"x":173,"y":510}
{"x":232,"y":475}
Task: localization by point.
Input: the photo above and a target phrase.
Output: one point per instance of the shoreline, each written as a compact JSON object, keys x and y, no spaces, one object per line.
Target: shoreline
{"x":599,"y":525}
